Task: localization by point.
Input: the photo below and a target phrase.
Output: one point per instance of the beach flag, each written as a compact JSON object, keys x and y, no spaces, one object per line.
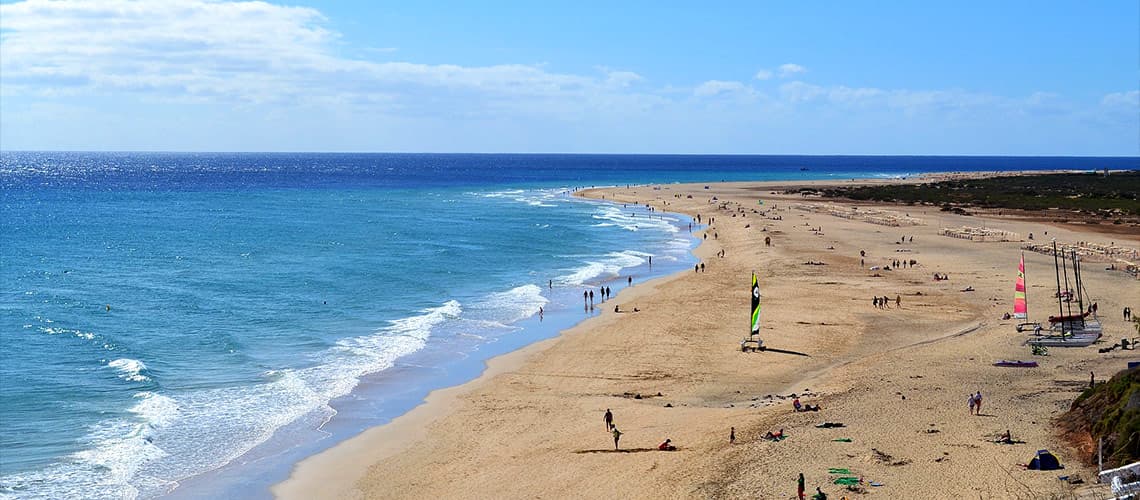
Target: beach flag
{"x":1020,"y":309}
{"x":755,"y":305}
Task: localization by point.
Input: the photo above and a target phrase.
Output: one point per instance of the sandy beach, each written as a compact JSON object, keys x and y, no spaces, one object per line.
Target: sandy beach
{"x":897,"y":378}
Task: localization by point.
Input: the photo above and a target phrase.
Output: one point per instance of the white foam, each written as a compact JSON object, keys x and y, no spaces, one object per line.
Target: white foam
{"x":130,"y":369}
{"x":635,"y":219}
{"x":163,"y":440}
{"x":583,"y":274}
{"x":535,"y":198}
{"x":608,"y":268}
{"x":115,"y":449}
{"x":52,"y":330}
{"x":502,"y":308}
{"x":501,"y":194}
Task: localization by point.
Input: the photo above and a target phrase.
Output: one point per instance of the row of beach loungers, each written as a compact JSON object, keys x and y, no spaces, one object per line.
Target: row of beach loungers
{"x":979,"y":234}
{"x":874,"y":216}
{"x":1093,"y":252}
{"x":1122,"y":258}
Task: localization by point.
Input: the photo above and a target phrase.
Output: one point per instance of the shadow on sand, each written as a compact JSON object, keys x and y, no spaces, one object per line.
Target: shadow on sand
{"x":625,"y":450}
{"x":785,"y":351}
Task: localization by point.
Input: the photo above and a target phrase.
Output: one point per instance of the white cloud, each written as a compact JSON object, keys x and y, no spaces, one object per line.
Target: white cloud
{"x":1129,"y":99}
{"x":256,"y":59}
{"x":621,"y":78}
{"x":251,"y":52}
{"x":914,"y":101}
{"x":790,"y":69}
{"x":798,"y":91}
{"x":718,"y":87}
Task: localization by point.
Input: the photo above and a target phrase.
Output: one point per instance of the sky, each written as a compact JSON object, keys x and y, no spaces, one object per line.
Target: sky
{"x":750,"y":77}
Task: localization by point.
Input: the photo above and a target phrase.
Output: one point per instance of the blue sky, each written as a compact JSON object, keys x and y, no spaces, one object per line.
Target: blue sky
{"x":1005,"y":78}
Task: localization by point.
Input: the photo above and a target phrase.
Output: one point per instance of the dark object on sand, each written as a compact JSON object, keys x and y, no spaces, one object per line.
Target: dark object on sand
{"x":1016,"y":364}
{"x":1045,"y":461}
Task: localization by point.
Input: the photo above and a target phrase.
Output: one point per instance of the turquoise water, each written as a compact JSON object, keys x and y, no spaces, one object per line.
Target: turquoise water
{"x":173,"y":317}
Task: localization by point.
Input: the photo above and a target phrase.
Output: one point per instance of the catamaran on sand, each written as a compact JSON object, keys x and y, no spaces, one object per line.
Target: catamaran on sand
{"x":1066,"y":329}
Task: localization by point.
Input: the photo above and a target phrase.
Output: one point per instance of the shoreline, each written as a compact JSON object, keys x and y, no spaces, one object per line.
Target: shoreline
{"x":382,"y":397}
{"x":343,"y":469}
{"x":347,"y":461}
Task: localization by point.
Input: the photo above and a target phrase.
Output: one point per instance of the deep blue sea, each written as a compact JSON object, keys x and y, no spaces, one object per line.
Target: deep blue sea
{"x":193,"y":324}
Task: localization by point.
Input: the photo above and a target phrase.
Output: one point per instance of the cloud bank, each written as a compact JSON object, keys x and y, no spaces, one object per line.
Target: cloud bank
{"x":259,"y":64}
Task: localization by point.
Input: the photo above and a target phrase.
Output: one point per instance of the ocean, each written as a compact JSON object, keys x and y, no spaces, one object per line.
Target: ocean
{"x":192,"y":324}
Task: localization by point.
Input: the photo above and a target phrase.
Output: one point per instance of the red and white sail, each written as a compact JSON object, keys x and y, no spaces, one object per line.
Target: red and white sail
{"x":1020,"y":308}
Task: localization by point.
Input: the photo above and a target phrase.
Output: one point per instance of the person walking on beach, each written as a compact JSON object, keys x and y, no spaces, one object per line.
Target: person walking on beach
{"x":898,"y":301}
{"x":731,"y":435}
{"x":629,"y":281}
{"x":1127,"y":314}
{"x":608,"y":294}
{"x":978,"y":401}
{"x":585,"y":299}
{"x":540,"y":313}
{"x":591,"y":299}
{"x":617,"y":436}
{"x":609,"y":419}
{"x":800,"y":487}
{"x":973,"y":404}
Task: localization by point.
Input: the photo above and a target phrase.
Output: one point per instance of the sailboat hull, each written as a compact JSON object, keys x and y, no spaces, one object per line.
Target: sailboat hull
{"x":1072,"y":340}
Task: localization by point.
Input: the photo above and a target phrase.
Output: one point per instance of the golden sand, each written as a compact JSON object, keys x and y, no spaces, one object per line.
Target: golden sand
{"x":897,"y":378}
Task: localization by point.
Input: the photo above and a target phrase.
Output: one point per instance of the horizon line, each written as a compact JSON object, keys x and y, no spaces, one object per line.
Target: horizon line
{"x":867,"y":155}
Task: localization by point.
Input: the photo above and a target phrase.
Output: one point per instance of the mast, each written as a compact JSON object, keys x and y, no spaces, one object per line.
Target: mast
{"x":1057,"y":273}
{"x":1077,"y":283}
{"x":1068,"y":303}
{"x":1080,"y":294}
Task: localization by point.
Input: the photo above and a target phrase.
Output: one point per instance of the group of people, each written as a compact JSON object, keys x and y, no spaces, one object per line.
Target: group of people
{"x":819,"y":494}
{"x":588,"y":297}
{"x":976,"y":403}
{"x":608,"y":418}
{"x":903,"y":263}
{"x":797,"y":406}
{"x":941,"y":276}
{"x":884,"y":301}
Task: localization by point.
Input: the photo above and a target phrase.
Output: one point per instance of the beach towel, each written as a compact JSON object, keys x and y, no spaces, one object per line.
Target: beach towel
{"x":836,"y":470}
{"x":847,"y":481}
{"x":828,"y":425}
{"x":842,"y":440}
